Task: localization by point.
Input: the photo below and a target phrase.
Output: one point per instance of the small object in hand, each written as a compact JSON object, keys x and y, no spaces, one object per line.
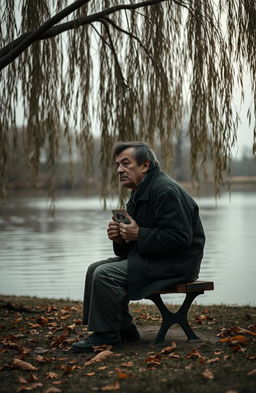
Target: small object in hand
{"x":119,"y":216}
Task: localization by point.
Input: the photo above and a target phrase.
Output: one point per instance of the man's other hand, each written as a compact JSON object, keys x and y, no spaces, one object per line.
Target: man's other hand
{"x":114,"y":232}
{"x":129,"y":231}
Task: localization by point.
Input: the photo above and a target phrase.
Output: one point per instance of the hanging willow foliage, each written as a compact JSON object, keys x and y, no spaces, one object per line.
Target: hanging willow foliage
{"x":130,"y":70}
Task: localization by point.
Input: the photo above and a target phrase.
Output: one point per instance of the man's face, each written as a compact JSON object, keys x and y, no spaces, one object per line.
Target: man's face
{"x":129,"y":172}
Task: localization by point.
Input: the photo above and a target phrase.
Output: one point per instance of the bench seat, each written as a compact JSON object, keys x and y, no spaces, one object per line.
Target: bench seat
{"x":192,"y":290}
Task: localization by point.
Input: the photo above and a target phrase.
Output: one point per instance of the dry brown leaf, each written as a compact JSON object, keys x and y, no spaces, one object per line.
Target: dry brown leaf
{"x":252,"y":372}
{"x":153,"y":360}
{"x":251,"y":357}
{"x":90,"y":374}
{"x":231,"y":391}
{"x":214,"y":360}
{"x":33,"y":377}
{"x":103,"y":347}
{"x":21,"y":379}
{"x":194,"y":354}
{"x":41,"y":350}
{"x":122,"y":375}
{"x":52,"y":389}
{"x":208,"y":374}
{"x":113,"y":386}
{"x":24,"y":365}
{"x":168,"y":349}
{"x":42,"y":320}
{"x":235,"y":339}
{"x":70,"y":341}
{"x":29,"y":387}
{"x":71,"y":327}
{"x":100,"y":357}
{"x":246,"y":331}
{"x":68,"y":369}
{"x":127,"y":364}
{"x":40,"y":359}
{"x":52,"y":375}
{"x":173,"y":356}
{"x":102,"y":368}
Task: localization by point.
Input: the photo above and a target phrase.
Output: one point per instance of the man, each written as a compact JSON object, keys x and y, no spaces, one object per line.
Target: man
{"x":161,"y":246}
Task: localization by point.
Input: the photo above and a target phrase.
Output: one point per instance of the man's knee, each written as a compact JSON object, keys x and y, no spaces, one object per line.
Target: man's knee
{"x":93,"y":266}
{"x":100,"y":273}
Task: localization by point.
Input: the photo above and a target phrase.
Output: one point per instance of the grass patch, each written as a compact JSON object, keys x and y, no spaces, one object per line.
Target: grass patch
{"x":41,"y":331}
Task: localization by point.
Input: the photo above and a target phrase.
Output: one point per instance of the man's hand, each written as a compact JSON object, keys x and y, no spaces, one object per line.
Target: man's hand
{"x":114,"y":232}
{"x":129,"y":231}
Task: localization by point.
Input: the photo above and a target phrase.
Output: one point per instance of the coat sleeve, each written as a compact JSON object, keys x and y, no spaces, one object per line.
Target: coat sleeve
{"x":172,"y":225}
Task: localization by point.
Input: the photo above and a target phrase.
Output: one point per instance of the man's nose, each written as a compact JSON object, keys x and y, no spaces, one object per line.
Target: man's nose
{"x":120,"y":169}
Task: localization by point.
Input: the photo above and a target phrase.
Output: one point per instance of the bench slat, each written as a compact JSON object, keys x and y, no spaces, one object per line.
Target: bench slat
{"x":196,"y":286}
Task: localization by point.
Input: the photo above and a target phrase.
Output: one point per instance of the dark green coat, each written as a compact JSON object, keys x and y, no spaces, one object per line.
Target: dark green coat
{"x":170,"y":241}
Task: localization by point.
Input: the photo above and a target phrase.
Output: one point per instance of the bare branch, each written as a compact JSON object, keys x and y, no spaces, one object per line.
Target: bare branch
{"x":35,"y":35}
{"x":48,"y":31}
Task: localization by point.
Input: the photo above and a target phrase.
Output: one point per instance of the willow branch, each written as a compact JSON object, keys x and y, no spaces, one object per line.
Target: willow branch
{"x":112,"y":47}
{"x":47,"y":30}
{"x":36,"y":35}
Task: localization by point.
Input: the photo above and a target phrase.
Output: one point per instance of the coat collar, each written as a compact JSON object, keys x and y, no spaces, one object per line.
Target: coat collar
{"x":143,"y":191}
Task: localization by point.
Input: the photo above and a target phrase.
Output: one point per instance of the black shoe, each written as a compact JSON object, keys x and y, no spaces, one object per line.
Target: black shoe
{"x":96,"y":339}
{"x":131,"y":334}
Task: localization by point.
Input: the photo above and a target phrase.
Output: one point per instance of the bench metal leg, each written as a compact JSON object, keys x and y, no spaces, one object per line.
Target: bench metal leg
{"x":170,"y":318}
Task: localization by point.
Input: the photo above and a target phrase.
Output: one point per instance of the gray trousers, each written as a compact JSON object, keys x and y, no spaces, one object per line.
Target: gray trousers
{"x":106,"y":296}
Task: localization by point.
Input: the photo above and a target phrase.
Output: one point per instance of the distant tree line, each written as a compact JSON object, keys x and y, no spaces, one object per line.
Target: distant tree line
{"x":69,"y":167}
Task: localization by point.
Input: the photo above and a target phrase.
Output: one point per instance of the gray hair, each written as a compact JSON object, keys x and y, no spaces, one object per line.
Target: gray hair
{"x":142,"y":152}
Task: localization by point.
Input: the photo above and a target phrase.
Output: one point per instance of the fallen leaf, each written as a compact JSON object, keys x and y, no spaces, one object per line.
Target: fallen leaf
{"x":127,"y":364}
{"x":194,"y":354}
{"x":168,"y":349}
{"x":33,"y":377}
{"x":214,"y":360}
{"x":40,"y":359}
{"x":252,"y":372}
{"x":24,"y":365}
{"x":153,"y":360}
{"x":29,"y":387}
{"x":68,"y":369}
{"x":122,"y":375}
{"x":53,"y":390}
{"x":208,"y":374}
{"x":52,"y":375}
{"x":90,"y":374}
{"x":246,"y":331}
{"x":11,"y":344}
{"x":239,"y":339}
{"x":113,"y":386}
{"x":40,"y":350}
{"x":100,"y":357}
{"x":252,"y":357}
{"x":34,"y":325}
{"x":42,"y":320}
{"x":231,"y":391}
{"x":71,"y":327}
{"x":103,"y":347}
{"x":21,"y":379}
{"x":173,"y":356}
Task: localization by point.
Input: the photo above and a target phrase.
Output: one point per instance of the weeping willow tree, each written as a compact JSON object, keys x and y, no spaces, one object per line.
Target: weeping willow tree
{"x":130,"y":70}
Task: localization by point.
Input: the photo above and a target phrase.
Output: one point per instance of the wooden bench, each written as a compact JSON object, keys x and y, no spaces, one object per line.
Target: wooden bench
{"x":192,"y":290}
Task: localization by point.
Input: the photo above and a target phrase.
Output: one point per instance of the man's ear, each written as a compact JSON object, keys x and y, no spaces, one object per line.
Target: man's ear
{"x":146,"y":166}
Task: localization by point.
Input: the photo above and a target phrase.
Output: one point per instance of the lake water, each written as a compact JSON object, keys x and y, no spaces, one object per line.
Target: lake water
{"x":48,"y":257}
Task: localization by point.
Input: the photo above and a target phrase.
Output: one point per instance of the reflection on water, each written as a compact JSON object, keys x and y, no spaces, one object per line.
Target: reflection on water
{"x":48,"y":257}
